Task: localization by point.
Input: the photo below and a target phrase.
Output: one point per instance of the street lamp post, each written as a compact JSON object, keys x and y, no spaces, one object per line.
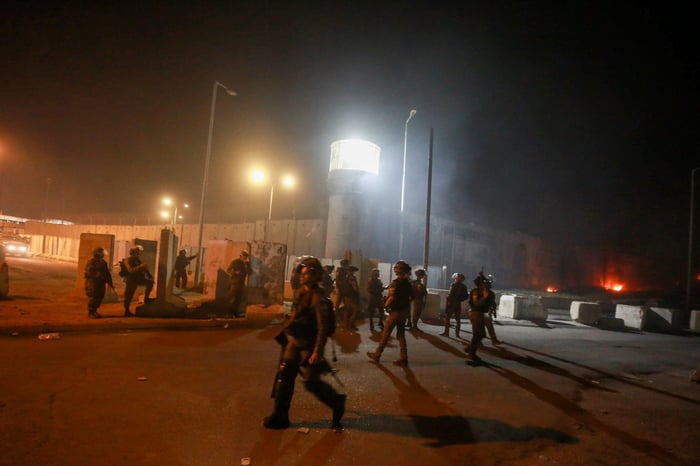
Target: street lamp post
{"x":205,"y":178}
{"x":168,"y":202}
{"x":259,"y":176}
{"x":403,"y":182}
{"x":690,"y":240}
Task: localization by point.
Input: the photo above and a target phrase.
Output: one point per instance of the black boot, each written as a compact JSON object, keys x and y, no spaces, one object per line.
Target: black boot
{"x":276,"y":421}
{"x":338,"y":412}
{"x":327,"y":395}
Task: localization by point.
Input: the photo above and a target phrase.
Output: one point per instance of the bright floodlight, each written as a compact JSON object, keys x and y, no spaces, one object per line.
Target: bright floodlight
{"x":355,"y":154}
{"x":258,"y":176}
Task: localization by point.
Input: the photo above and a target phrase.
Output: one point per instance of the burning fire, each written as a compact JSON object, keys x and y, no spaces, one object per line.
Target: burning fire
{"x":552,"y":289}
{"x":614,"y":286}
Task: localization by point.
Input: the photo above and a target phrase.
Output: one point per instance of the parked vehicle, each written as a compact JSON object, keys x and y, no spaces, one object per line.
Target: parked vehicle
{"x":15,"y":246}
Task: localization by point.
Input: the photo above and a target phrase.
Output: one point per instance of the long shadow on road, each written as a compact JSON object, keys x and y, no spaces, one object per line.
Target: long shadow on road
{"x":571,"y":409}
{"x":443,"y":426}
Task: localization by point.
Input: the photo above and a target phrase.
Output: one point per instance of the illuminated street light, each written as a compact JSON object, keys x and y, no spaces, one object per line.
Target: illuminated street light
{"x":259,"y":177}
{"x":174,"y":217}
{"x":403,"y":181}
{"x":207,"y":157}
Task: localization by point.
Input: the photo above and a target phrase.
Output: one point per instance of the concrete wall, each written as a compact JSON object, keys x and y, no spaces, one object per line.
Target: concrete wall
{"x":515,"y":259}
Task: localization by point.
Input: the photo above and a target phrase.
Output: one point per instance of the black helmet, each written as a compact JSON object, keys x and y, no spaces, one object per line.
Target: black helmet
{"x":403,"y":266}
{"x":183,"y":251}
{"x":458,"y":275}
{"x":98,"y":252}
{"x":483,"y":279}
{"x":420,"y":272}
{"x":311,"y":263}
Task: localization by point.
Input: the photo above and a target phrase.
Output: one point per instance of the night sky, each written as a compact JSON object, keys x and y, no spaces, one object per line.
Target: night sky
{"x":561,"y":119}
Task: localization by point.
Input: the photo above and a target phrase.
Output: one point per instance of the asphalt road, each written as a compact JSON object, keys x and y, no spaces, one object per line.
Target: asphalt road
{"x":559,"y":393}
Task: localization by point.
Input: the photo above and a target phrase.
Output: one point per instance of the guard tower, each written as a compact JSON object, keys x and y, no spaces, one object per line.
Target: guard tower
{"x":352,"y":161}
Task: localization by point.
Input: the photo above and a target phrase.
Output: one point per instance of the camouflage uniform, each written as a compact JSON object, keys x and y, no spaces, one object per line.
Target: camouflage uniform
{"x":97,"y":276}
{"x":375,"y":301}
{"x":239,"y":270}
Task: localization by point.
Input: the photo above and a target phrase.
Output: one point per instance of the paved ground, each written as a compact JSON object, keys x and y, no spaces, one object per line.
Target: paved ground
{"x":555,"y":393}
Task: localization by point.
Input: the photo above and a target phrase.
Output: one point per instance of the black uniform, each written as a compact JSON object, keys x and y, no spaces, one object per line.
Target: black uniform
{"x":305,"y":333}
{"x":138,"y":275}
{"x":420,"y":294}
{"x":375,"y":301}
{"x":458,"y":293}
{"x":181,"y":263}
{"x":239,"y":270}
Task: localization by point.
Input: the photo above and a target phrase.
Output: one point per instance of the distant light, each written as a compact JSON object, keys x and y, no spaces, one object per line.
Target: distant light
{"x":355,"y":154}
{"x":288,"y":181}
{"x":552,"y":289}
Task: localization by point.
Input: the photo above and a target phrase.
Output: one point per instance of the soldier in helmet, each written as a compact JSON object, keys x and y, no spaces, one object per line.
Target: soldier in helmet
{"x":420,"y":293}
{"x":303,"y":340}
{"x":97,"y":276}
{"x":375,"y":304}
{"x":481,"y":299}
{"x":137,"y":275}
{"x":181,"y":262}
{"x":398,"y":303}
{"x":490,"y":316}
{"x":458,"y":294}
{"x":238,"y":269}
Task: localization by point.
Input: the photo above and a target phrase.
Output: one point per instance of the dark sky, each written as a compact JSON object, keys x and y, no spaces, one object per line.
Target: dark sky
{"x":555,"y":118}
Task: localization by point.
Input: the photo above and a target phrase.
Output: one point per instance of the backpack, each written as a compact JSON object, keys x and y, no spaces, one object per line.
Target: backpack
{"x":123,"y":271}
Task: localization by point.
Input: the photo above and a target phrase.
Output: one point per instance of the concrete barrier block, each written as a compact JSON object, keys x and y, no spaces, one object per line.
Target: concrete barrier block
{"x":660,"y":318}
{"x":695,"y":321}
{"x":553,"y":301}
{"x":610,"y":323}
{"x":506,"y":306}
{"x":432,"y":314}
{"x":522,"y":307}
{"x":585,"y":312}
{"x":633,"y":316}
